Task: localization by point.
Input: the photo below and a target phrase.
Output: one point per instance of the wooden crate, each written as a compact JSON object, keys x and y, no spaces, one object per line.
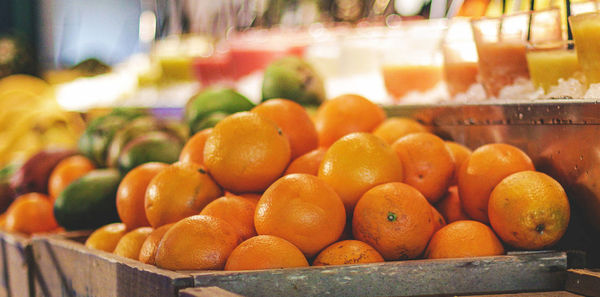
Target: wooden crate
{"x":15,"y":264}
{"x":517,"y":272}
{"x":584,"y":281}
{"x":68,"y":268}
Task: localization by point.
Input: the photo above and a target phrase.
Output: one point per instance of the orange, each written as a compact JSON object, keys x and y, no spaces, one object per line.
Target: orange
{"x":193,"y":150}
{"x":31,"y":213}
{"x":308,"y":163}
{"x":303,"y":210}
{"x":66,"y":171}
{"x":348,"y":252}
{"x":450,"y":207}
{"x":482,"y":171}
{"x":459,"y":153}
{"x":150,"y":244}
{"x":529,"y":210}
{"x":394,"y":128}
{"x":3,"y":220}
{"x":131,"y":194}
{"x":197,"y":243}
{"x":106,"y":238}
{"x":265,"y":252}
{"x":346,"y":114}
{"x":237,"y":211}
{"x":463,"y":239}
{"x":427,"y":164}
{"x":246,"y":152}
{"x":130,"y":244}
{"x":438,"y":220}
{"x":356,"y":163}
{"x":178,"y":191}
{"x":294,"y":121}
{"x":395,"y":219}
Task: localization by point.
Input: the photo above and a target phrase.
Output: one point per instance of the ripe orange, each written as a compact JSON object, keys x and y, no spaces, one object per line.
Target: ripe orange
{"x":346,"y":114}
{"x":438,"y":220}
{"x":303,"y":210}
{"x":31,"y":213}
{"x":150,"y":244}
{"x":294,"y":121}
{"x":356,"y":163}
{"x":482,"y":171}
{"x":395,"y":219}
{"x":197,"y":243}
{"x":348,"y":252}
{"x":450,"y":207}
{"x":427,"y":163}
{"x":459,"y":153}
{"x":66,"y":171}
{"x":131,"y":194}
{"x":463,"y":239}
{"x":246,"y":152}
{"x":130,"y":244}
{"x":308,"y":163}
{"x":394,"y":128}
{"x":106,"y":238}
{"x":529,"y":210}
{"x":265,"y":252}
{"x":193,"y":150}
{"x":237,"y":211}
{"x":178,"y":191}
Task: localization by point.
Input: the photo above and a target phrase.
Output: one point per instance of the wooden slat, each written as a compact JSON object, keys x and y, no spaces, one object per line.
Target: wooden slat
{"x":583,"y":281}
{"x":537,"y":294}
{"x":15,"y":258}
{"x":510,"y":273}
{"x":67,"y":268}
{"x":206,"y":292}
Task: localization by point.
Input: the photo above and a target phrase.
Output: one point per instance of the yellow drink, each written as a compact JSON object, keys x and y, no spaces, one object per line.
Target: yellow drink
{"x":546,"y":67}
{"x":586,"y":34}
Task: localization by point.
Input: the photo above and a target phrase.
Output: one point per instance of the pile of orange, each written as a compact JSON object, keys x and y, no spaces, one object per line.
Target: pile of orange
{"x":273,"y":188}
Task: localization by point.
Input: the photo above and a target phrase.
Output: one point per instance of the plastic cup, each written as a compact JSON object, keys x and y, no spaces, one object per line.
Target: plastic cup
{"x":548,"y":62}
{"x":460,"y":57}
{"x":586,"y":35}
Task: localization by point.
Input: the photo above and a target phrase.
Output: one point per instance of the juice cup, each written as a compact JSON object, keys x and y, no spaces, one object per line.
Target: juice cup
{"x":460,"y":57}
{"x":549,"y":62}
{"x":586,"y":35}
{"x":501,"y":44}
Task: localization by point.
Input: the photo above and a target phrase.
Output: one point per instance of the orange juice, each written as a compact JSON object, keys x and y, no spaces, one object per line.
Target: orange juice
{"x":546,"y":67}
{"x":586,"y":34}
{"x":460,"y":76}
{"x":500,"y":64}
{"x":402,"y":79}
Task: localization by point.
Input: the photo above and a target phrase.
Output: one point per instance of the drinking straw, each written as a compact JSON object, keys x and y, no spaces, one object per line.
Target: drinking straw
{"x":503,"y":6}
{"x":438,"y":9}
{"x":531,"y":8}
{"x":569,"y":33}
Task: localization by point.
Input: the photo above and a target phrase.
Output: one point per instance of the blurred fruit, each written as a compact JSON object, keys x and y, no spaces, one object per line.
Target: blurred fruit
{"x":348,"y":252}
{"x":237,"y":211}
{"x":106,"y":238}
{"x":197,"y":243}
{"x":459,"y":153}
{"x":3,"y":221}
{"x":7,"y":194}
{"x":150,"y":245}
{"x":463,"y":239}
{"x":34,"y":173}
{"x":88,"y":202}
{"x":265,"y":252}
{"x":179,"y":191}
{"x":426,"y":162}
{"x":30,"y":213}
{"x":151,"y":147}
{"x":356,"y":163}
{"x":130,"y":244}
{"x":394,"y":128}
{"x":294,"y":79}
{"x":395,"y":219}
{"x":246,"y":153}
{"x":438,"y":220}
{"x":482,"y":171}
{"x":529,"y":210}
{"x":450,"y":207}
{"x":16,"y":54}
{"x":68,"y":170}
{"x":193,"y":151}
{"x":308,"y":163}
{"x":303,"y":210}
{"x":294,"y":121}
{"x":210,"y":106}
{"x":346,"y":114}
{"x":131,"y":194}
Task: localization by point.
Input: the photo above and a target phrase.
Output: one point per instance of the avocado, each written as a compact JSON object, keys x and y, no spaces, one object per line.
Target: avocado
{"x":157,"y":146}
{"x":207,"y":108}
{"x":90,"y":201}
{"x":294,"y":79}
